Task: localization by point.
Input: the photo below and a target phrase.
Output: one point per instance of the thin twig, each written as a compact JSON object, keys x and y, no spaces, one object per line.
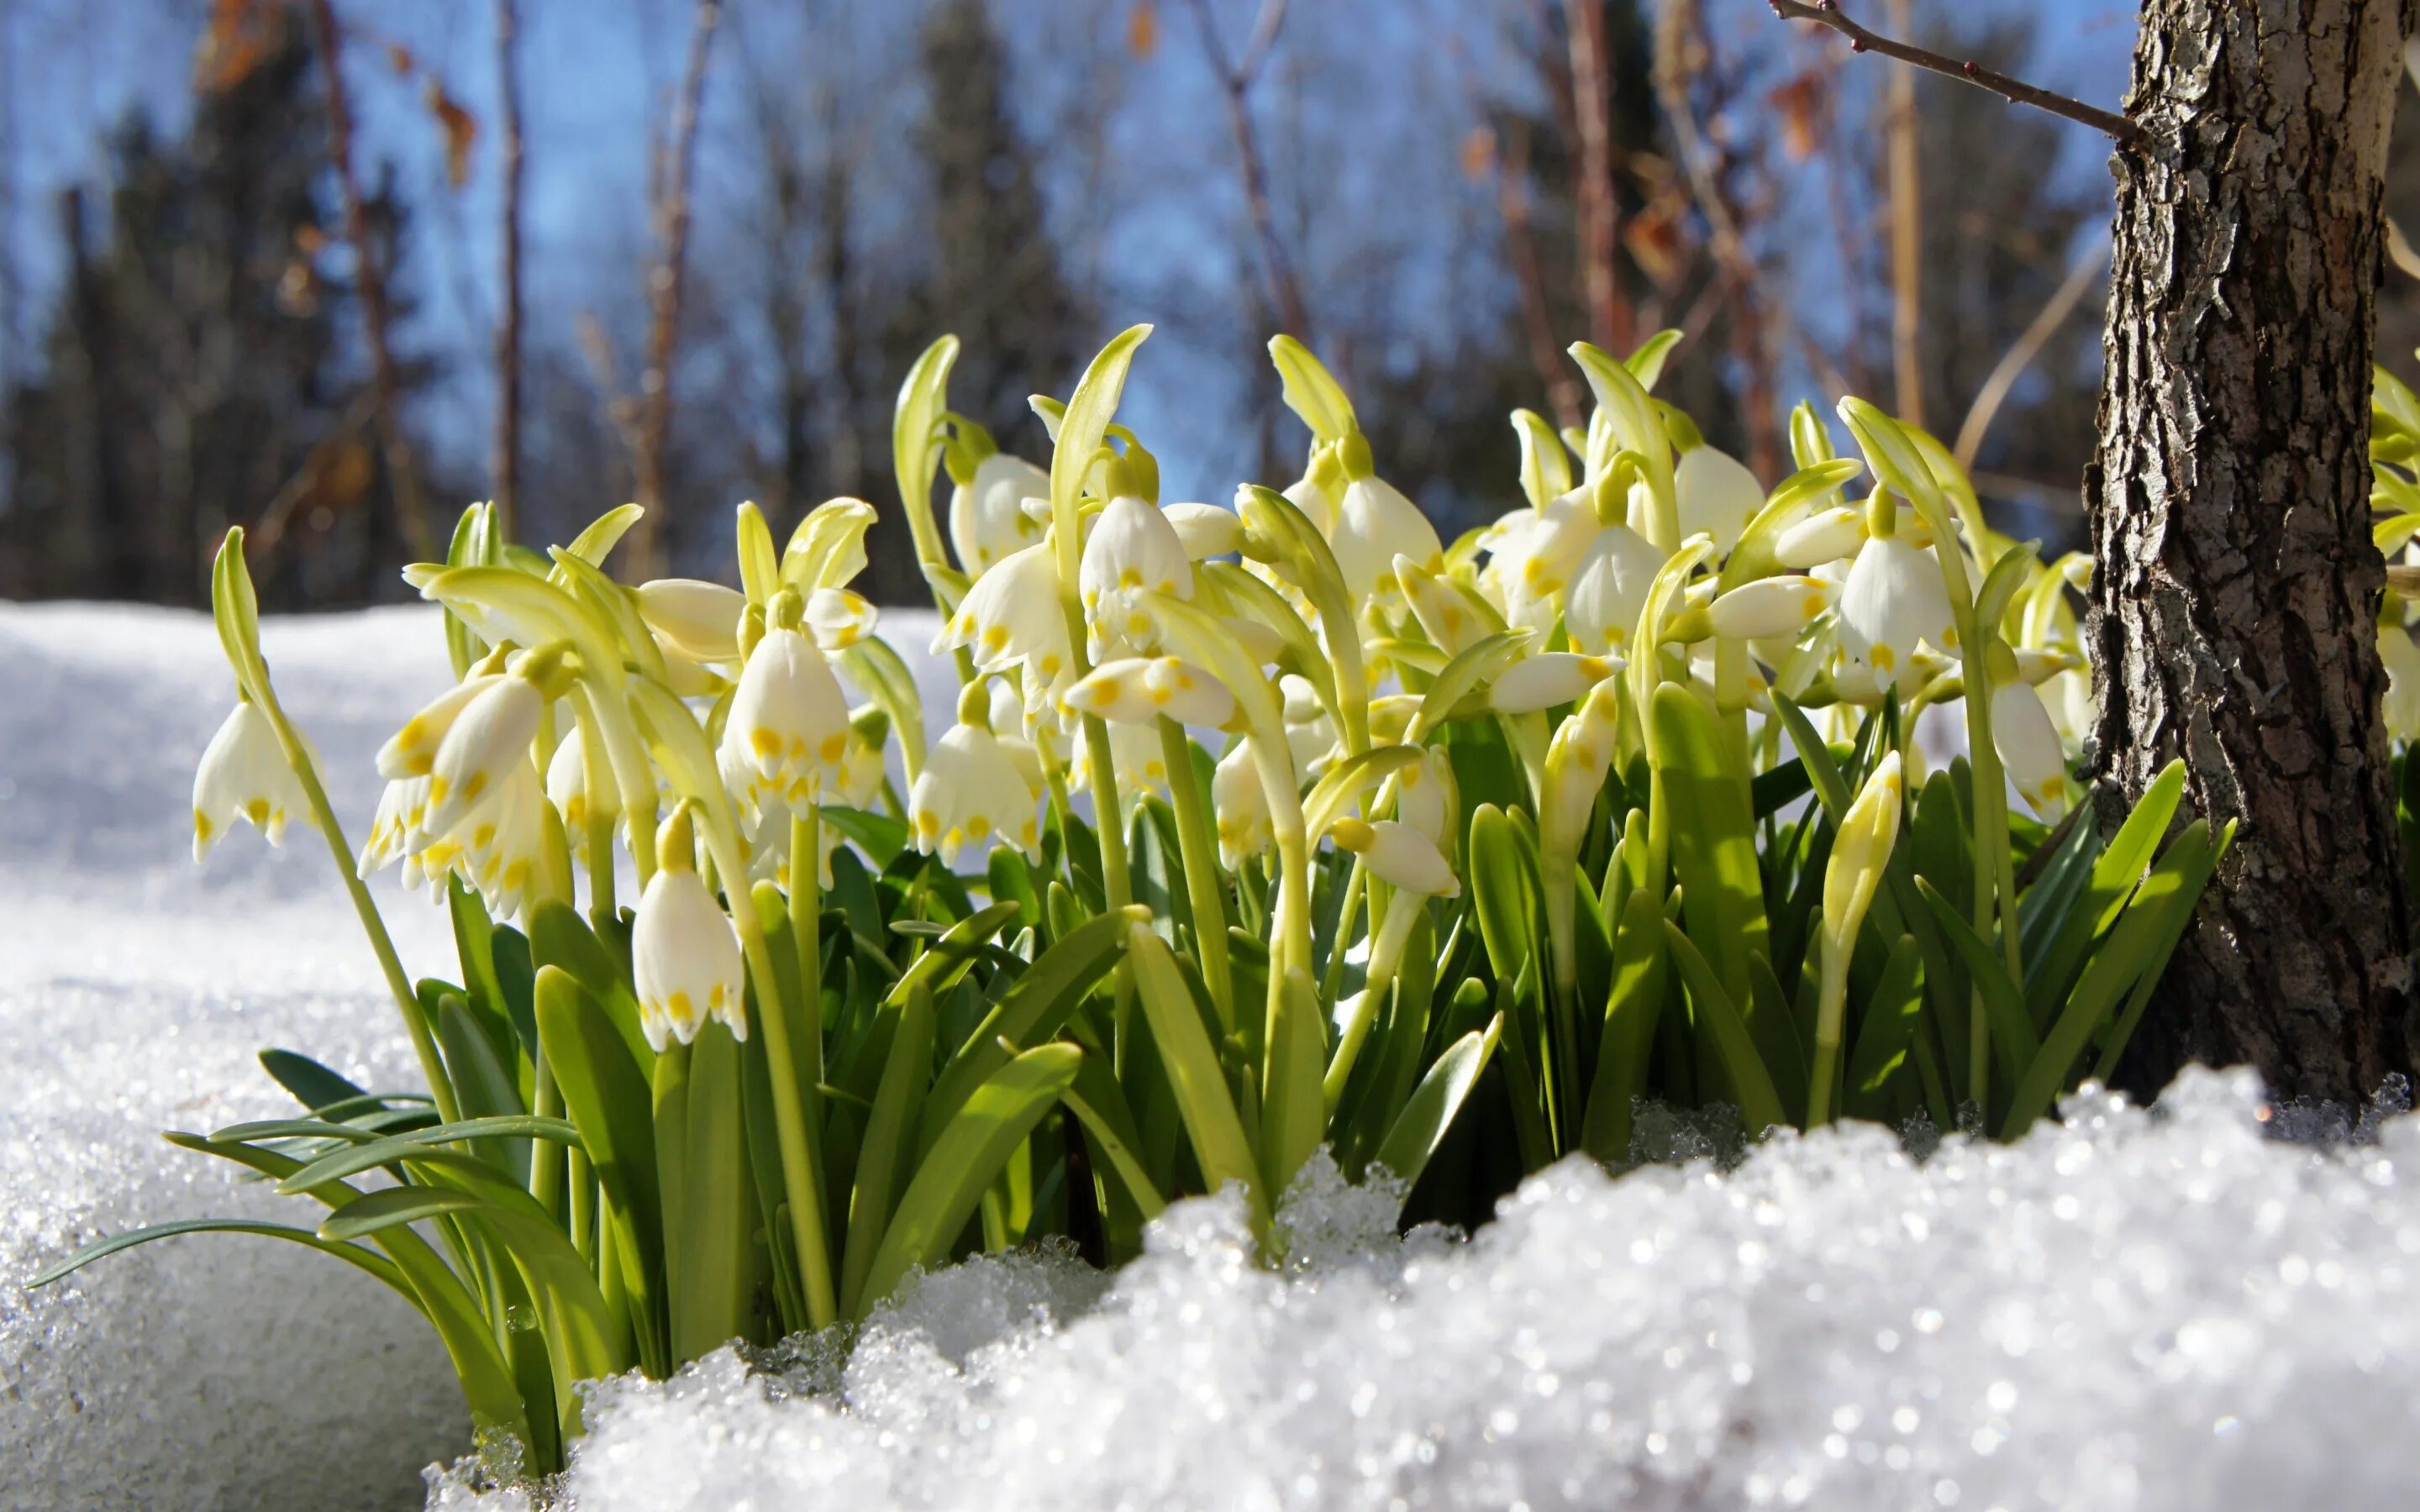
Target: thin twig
{"x":1235,"y":82}
{"x":2015,"y":91}
{"x":1537,"y":322}
{"x":403,"y":471}
{"x":1610,"y":317}
{"x":2022,"y":353}
{"x":507,"y":464}
{"x":672,"y":213}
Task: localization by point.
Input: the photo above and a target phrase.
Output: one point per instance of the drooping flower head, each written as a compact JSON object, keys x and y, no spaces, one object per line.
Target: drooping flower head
{"x":243,"y":775}
{"x":683,"y":955}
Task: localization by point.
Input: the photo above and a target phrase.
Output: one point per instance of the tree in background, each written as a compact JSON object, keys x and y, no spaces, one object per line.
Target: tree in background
{"x":193,"y":375}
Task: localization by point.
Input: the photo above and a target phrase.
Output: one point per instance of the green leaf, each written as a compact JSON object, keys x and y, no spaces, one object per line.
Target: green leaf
{"x":1086,"y":420}
{"x":375,"y":1212}
{"x":881,"y":836}
{"x":2179,"y":916}
{"x":1760,"y":1104}
{"x":1798,"y":497}
{"x":914,"y":443}
{"x":980,"y":1137}
{"x":1100,"y":1105}
{"x":2113,"y":878}
{"x":885,"y":1155}
{"x":1646,"y":364}
{"x":1310,"y":391}
{"x":1479,"y":664}
{"x":2003,"y":1007}
{"x":606,"y":1093}
{"x":1220,"y":1148}
{"x":482,"y":1087}
{"x":1421,"y":1126}
{"x":368,"y":1261}
{"x":603,"y":533}
{"x":559,"y":937}
{"x":940,"y":966}
{"x":1888,"y":1026}
{"x":1342,"y":783}
{"x":1714,"y":834}
{"x":421,"y":1144}
{"x":2157,"y":914}
{"x":312,"y":1085}
{"x":1504,"y":891}
{"x":1632,"y":1008}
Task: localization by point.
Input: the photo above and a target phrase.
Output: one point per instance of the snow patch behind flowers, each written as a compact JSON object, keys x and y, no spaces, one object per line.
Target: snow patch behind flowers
{"x":2165,"y":1309}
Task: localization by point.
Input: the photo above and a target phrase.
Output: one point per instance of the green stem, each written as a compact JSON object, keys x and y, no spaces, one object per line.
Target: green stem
{"x":547,"y":1168}
{"x":1108,"y":813}
{"x":1198,"y":844}
{"x":1385,"y":954}
{"x":1356,"y":882}
{"x":806,"y":930}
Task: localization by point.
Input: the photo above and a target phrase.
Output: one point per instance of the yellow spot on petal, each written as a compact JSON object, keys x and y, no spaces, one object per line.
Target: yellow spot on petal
{"x":835,"y":746}
{"x":257,"y":811}
{"x":1883,"y":657}
{"x":979,"y":827}
{"x":477,"y":785}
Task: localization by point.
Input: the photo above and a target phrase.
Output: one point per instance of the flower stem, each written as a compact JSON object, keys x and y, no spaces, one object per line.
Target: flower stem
{"x":1198,"y":844}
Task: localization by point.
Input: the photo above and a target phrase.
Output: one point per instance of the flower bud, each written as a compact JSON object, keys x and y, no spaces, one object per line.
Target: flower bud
{"x":1547,"y":679}
{"x":1781,"y":606}
{"x":1137,"y":690}
{"x":1397,"y":855}
{"x":700,"y":619}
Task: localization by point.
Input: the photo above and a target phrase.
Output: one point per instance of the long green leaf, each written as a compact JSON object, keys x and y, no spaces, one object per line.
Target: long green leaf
{"x":1086,"y":423}
{"x":885,"y":1155}
{"x":608,"y":1098}
{"x":1714,"y":834}
{"x":2113,"y":878}
{"x":1760,"y":1104}
{"x":1632,"y":1010}
{"x":1220,"y":1148}
{"x":2004,"y":1009}
{"x":1422,"y":1125}
{"x":369,"y":1260}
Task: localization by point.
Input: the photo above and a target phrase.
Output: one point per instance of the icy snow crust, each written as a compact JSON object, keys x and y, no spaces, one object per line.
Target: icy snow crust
{"x":2133,"y":1311}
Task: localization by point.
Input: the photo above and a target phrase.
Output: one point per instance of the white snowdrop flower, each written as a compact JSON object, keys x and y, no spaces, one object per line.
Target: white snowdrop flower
{"x":1769,"y":607}
{"x":496,"y":846}
{"x":1138,"y":689}
{"x":488,"y":740}
{"x":2396,"y":649}
{"x":1894,"y":598}
{"x":684,"y":953}
{"x":1550,"y":678}
{"x":988,"y":524}
{"x":1577,"y":760}
{"x":1397,"y":855}
{"x":1545,"y":557}
{"x":395,"y":829}
{"x":687,"y":676}
{"x":1011,"y":617}
{"x":1374,"y":525}
{"x":698,"y":619}
{"x":788,"y":718}
{"x":838,"y":619}
{"x":2038,"y":665}
{"x":1315,"y":503}
{"x":1860,"y":849}
{"x":411,"y":751}
{"x":1310,"y":735}
{"x":2029,"y":747}
{"x":1825,"y":536}
{"x":576,"y":798}
{"x":1242,"y":806}
{"x":1448,"y":619}
{"x":973,"y":791}
{"x":1716,"y":495}
{"x":1424,"y":795}
{"x":243,"y":775}
{"x":1206,"y":531}
{"x":1132,"y":550}
{"x":1609,"y":591}
{"x":1138,"y":758}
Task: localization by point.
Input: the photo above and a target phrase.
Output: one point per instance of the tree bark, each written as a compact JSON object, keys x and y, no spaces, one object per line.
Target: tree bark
{"x":2236,"y":588}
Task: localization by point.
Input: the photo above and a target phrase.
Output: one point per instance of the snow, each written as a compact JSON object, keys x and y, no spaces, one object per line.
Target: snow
{"x":2132,"y":1310}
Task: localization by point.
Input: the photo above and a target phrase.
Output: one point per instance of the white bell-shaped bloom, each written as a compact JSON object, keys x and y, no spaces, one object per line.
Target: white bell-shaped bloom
{"x":488,"y":741}
{"x":1131,"y":551}
{"x":973,"y":791}
{"x":1010,"y":618}
{"x":574,"y":797}
{"x":700,"y":619}
{"x":1825,"y":536}
{"x":411,"y":751}
{"x":1769,"y":607}
{"x":396,"y":828}
{"x":499,"y":843}
{"x":683,"y":955}
{"x":1424,"y":795}
{"x":1547,"y":679}
{"x":1314,"y":502}
{"x":2029,"y":748}
{"x":1893,"y":599}
{"x":838,"y":619}
{"x":1448,"y":619}
{"x":1716,"y":495}
{"x":243,"y":775}
{"x":1242,"y":806}
{"x":1546,"y":556}
{"x":1206,"y":531}
{"x":1138,"y":689}
{"x":989,"y":522}
{"x":2401,"y":656}
{"x":1138,"y":758}
{"x":1609,"y":591}
{"x":1374,"y":525}
{"x":1397,"y":855}
{"x":1310,"y":735}
{"x":789,"y":720}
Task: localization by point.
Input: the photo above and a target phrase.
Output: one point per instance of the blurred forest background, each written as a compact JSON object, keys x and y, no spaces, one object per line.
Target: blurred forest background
{"x":331,"y":269}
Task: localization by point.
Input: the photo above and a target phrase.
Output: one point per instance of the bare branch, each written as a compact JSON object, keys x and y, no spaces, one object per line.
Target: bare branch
{"x":507,"y":464}
{"x":1512,"y":201}
{"x":672,"y":215}
{"x":1235,"y":82}
{"x":1906,"y":238}
{"x":2015,"y":91}
{"x":2022,"y":353}
{"x":402,"y":470}
{"x":1610,"y":317}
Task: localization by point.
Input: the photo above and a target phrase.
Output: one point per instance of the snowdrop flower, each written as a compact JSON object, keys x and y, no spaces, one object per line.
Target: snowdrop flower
{"x":496,"y":849}
{"x":1609,"y":591}
{"x":1424,"y":795}
{"x":1892,"y":599}
{"x":411,"y":751}
{"x":1137,"y":689}
{"x":989,"y":522}
{"x":1550,"y":678}
{"x":2030,"y":747}
{"x":974,"y":790}
{"x":1717,"y":495}
{"x":698,"y":619}
{"x":788,"y":719}
{"x":1012,"y":618}
{"x":838,"y":619}
{"x":1242,"y":806}
{"x":1374,"y":525}
{"x":490,"y":738}
{"x":1825,"y":536}
{"x":1206,"y":531}
{"x":575,"y":797}
{"x":1310,"y":735}
{"x":1769,"y":607}
{"x":684,"y":953}
{"x":1397,"y":855}
{"x":1577,"y":760}
{"x":395,"y":829}
{"x":1316,"y":503}
{"x":1138,"y":758}
{"x":1863,"y":845}
{"x":1131,"y":549}
{"x":1444,"y":616}
{"x":243,"y":775}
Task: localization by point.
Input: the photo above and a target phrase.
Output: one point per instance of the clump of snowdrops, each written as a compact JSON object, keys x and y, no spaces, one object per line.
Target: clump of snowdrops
{"x":1257,"y":829}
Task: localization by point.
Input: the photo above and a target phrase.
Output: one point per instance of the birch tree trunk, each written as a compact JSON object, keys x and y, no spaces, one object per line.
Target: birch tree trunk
{"x":2236,"y":588}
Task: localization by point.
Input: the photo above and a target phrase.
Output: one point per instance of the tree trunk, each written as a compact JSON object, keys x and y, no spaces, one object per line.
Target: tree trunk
{"x":2236,"y":587}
